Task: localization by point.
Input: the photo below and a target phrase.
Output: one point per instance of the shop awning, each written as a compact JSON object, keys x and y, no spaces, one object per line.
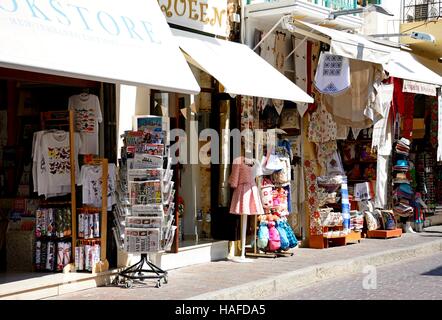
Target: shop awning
{"x":100,"y":40}
{"x":405,"y":65}
{"x":240,"y":70}
{"x":353,"y":46}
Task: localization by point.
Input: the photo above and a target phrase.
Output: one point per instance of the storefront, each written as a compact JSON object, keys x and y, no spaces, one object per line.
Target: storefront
{"x":348,"y":153}
{"x":55,"y":56}
{"x":128,"y":62}
{"x":224,"y":70}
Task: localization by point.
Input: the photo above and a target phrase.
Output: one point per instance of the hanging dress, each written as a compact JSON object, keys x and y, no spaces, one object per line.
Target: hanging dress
{"x":245,"y":199}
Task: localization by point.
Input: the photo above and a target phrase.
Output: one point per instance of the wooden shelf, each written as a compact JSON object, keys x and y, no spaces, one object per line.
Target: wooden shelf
{"x":321,"y":242}
{"x":357,"y":141}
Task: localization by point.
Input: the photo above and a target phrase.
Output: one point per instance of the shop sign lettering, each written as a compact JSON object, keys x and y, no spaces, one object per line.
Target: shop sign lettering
{"x":419,"y":88}
{"x":58,"y":16}
{"x":209,"y":16}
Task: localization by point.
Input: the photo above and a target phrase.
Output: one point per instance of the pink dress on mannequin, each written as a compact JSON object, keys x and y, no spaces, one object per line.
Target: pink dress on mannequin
{"x":246,"y":199}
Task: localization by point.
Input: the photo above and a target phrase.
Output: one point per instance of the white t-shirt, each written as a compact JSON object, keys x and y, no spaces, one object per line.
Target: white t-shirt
{"x":54,"y":172}
{"x":87,"y":113}
{"x":91,"y":181}
{"x":39,"y":172}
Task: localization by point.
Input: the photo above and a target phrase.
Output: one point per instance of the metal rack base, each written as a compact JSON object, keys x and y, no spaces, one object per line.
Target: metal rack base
{"x":136,"y":272}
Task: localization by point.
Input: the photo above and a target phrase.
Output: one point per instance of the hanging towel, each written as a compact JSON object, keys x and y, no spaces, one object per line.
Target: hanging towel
{"x":333,"y":74}
{"x":349,"y":108}
{"x":301,"y":70}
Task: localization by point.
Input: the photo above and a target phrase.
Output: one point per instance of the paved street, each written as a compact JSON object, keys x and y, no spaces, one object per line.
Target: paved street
{"x":418,"y":279}
{"x":197,"y":280}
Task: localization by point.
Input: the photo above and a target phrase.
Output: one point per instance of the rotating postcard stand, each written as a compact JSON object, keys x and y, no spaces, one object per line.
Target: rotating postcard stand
{"x":138,"y":272}
{"x":149,"y":193}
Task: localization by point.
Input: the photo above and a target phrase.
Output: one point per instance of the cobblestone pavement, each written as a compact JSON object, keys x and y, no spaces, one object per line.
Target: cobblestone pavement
{"x":200,"y":279}
{"x":417,"y":279}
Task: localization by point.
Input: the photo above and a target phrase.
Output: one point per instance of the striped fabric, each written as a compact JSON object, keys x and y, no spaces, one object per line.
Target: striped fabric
{"x":345,"y":204}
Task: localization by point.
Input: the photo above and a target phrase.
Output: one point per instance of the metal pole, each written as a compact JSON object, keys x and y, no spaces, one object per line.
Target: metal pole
{"x":269,"y":32}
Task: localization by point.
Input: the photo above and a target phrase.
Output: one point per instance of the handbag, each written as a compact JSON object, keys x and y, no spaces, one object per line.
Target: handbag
{"x":293,"y":242}
{"x":273,"y":163}
{"x":274,"y":238}
{"x":285,"y":243}
{"x":263,"y":236}
{"x":264,"y":171}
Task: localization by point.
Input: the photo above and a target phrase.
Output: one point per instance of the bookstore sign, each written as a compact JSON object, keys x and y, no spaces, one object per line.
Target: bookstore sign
{"x":209,"y":16}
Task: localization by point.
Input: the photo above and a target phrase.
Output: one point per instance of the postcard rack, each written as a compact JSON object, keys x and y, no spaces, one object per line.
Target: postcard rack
{"x":64,"y":120}
{"x":144,"y":220}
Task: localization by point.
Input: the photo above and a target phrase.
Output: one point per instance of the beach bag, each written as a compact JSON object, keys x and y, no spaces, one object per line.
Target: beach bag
{"x":285,"y":244}
{"x":293,"y":242}
{"x":263,"y":236}
{"x":274,"y":239}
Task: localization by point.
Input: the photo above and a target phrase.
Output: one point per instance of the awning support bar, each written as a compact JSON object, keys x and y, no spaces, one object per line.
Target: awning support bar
{"x":269,"y":32}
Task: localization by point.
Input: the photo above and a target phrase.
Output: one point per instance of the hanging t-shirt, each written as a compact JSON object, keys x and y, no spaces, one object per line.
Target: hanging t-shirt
{"x":87,"y":112}
{"x":40,"y":172}
{"x":91,"y":180}
{"x":54,"y":172}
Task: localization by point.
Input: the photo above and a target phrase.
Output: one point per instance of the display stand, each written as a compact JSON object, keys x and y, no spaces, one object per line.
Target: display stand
{"x":242,"y":258}
{"x":147,"y":190}
{"x":327,"y":238}
{"x":384,"y":234}
{"x":63,"y":120}
{"x":103,"y":265}
{"x":322,"y":242}
{"x":136,"y":272}
{"x":255,"y":252}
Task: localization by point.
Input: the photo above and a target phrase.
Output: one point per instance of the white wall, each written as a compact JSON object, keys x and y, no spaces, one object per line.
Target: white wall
{"x":376,"y":23}
{"x":131,"y":101}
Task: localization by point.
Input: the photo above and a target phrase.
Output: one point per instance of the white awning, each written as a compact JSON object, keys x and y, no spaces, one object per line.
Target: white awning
{"x":404,"y":65}
{"x":353,"y":46}
{"x":240,"y":70}
{"x":101,"y":40}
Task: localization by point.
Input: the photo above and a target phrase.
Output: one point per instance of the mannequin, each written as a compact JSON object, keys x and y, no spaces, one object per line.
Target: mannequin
{"x":245,"y":200}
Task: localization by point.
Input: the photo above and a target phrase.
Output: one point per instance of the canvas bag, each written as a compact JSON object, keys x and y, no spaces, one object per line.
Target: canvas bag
{"x":274,"y":238}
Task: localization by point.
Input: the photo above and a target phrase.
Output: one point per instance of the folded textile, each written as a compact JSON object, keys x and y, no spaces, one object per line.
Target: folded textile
{"x":401,"y":181}
{"x":401,"y":168}
{"x":403,"y":210}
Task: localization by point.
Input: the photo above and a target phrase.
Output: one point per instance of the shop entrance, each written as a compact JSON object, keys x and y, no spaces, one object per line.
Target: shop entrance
{"x":24,"y":97}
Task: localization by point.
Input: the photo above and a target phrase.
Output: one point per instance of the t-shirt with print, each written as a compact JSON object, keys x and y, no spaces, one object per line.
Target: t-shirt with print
{"x":39,"y":172}
{"x":87,"y":113}
{"x":91,"y":181}
{"x":55,"y":154}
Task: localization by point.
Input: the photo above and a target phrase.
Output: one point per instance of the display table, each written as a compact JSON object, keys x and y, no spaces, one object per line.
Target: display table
{"x":384,"y":234}
{"x":323,"y":241}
